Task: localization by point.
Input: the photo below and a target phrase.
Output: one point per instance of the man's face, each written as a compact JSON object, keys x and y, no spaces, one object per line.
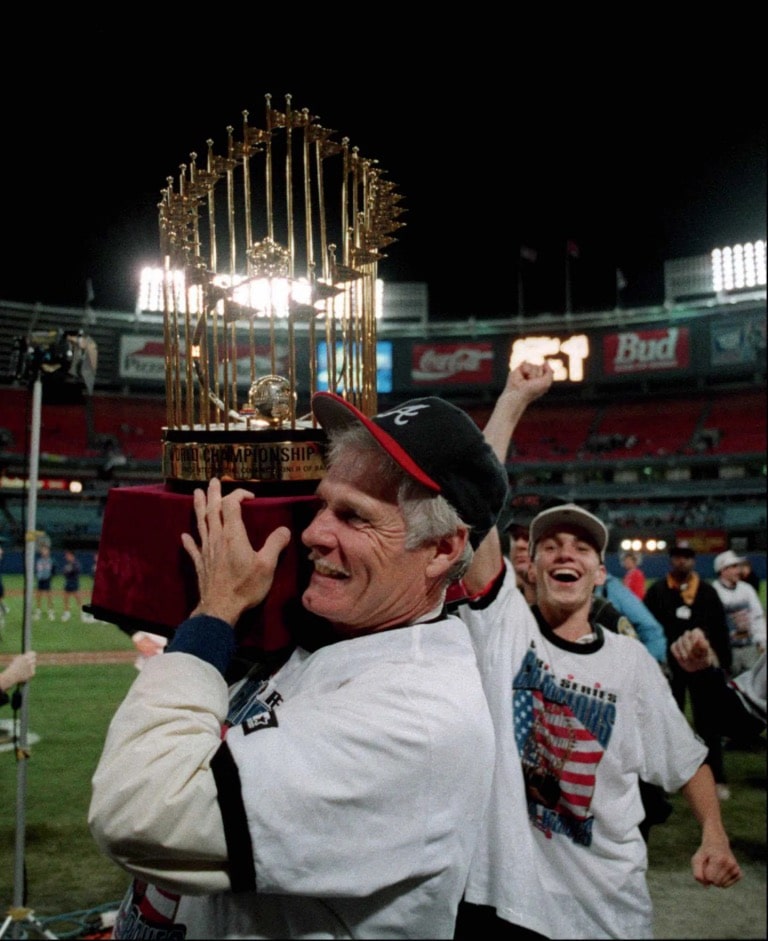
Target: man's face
{"x":364,"y":578}
{"x":729,"y":574}
{"x":682,"y":565}
{"x":567,"y":568}
{"x":518,"y":551}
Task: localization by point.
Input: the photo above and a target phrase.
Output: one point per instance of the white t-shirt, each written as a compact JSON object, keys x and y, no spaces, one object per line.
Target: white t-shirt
{"x":577,"y":724}
{"x":744,"y":613}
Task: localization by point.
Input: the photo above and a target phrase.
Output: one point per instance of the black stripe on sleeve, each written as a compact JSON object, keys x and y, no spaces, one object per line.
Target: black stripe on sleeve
{"x":242,"y":873}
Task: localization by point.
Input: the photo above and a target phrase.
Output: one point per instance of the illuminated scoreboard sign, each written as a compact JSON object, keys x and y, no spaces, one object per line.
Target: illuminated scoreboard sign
{"x":567,"y":357}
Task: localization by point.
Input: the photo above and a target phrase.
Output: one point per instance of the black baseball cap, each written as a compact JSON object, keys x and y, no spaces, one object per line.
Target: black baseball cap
{"x":683,"y":549}
{"x":437,"y":444}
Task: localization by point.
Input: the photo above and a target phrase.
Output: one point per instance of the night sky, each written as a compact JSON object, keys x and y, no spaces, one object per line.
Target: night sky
{"x":634,"y":149}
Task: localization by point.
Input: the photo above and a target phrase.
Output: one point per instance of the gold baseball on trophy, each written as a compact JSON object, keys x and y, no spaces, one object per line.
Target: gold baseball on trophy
{"x":272,"y":399}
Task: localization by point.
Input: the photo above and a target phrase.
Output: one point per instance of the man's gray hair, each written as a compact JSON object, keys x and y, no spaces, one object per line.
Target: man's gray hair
{"x":427,"y":514}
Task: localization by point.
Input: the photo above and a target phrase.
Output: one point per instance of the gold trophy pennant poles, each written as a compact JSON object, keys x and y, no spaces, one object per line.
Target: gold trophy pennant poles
{"x":269,"y":284}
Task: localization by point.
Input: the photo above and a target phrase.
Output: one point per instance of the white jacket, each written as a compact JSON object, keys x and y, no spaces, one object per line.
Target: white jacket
{"x":349,"y":807}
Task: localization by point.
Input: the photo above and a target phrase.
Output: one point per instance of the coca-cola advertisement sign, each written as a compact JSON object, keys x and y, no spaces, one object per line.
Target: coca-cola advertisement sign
{"x":449,"y":363}
{"x":646,"y":350}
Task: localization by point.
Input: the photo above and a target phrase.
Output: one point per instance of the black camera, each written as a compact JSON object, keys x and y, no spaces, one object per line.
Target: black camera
{"x":43,"y":352}
{"x":60,"y":356}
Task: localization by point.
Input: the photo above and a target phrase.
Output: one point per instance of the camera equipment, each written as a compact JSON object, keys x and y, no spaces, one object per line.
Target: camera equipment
{"x":60,"y":356}
{"x":59,"y":360}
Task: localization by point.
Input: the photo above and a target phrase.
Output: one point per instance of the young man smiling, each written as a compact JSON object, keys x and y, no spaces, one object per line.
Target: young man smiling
{"x":581,"y":714}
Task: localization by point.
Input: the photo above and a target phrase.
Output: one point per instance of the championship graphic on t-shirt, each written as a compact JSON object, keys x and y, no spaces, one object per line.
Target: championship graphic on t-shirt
{"x":562,"y":729}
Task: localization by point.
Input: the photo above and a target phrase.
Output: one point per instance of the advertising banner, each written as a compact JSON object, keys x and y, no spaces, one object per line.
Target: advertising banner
{"x":451,"y":363}
{"x":738,"y":342}
{"x":143,"y":357}
{"x":646,"y":350}
{"x":703,"y":540}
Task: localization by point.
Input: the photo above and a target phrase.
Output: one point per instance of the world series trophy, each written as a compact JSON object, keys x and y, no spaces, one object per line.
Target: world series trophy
{"x":269,"y":292}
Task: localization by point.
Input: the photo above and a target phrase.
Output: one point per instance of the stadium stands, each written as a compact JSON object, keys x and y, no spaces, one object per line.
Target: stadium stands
{"x":684,"y":444}
{"x":553,"y":431}
{"x":648,"y":428}
{"x":723,"y":423}
{"x":548,"y":432}
{"x":737,"y":423}
{"x":102,"y":424}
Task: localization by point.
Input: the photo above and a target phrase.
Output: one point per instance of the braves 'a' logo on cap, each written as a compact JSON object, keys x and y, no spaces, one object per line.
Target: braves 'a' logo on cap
{"x":404,"y":413}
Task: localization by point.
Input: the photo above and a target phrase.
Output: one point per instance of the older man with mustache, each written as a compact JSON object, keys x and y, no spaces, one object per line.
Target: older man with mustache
{"x":345,"y":794}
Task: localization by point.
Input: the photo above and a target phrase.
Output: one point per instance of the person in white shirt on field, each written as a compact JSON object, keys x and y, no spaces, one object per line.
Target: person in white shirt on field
{"x":743,"y":611}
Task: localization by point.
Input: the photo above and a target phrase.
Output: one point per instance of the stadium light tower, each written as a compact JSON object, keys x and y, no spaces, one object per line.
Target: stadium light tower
{"x":733,"y":270}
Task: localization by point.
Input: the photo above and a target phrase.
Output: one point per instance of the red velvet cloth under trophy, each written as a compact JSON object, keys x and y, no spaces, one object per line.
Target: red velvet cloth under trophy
{"x":145,"y":580}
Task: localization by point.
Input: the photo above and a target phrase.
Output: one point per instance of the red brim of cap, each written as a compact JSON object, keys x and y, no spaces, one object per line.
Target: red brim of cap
{"x":332,"y":411}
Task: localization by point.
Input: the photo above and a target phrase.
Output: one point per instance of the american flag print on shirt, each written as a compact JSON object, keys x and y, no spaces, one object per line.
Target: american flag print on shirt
{"x":147,"y":912}
{"x":562,"y":729}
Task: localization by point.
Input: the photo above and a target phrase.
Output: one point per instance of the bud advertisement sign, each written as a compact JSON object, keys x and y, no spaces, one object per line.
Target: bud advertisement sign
{"x":451,"y":363}
{"x":644,"y":351}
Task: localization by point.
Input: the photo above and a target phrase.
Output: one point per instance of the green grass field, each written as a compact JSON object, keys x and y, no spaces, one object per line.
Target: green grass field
{"x":70,"y":708}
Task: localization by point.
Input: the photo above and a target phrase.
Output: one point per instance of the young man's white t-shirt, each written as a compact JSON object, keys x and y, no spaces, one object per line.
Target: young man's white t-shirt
{"x":577,"y":724}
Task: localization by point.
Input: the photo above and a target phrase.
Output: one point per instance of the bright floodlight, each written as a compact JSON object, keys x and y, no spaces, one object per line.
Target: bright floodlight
{"x":737,"y":267}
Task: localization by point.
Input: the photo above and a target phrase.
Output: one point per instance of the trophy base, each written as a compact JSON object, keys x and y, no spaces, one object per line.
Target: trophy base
{"x":145,"y":579}
{"x":270,"y":462}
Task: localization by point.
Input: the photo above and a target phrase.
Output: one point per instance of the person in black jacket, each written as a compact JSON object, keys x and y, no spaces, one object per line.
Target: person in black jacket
{"x":681,"y":601}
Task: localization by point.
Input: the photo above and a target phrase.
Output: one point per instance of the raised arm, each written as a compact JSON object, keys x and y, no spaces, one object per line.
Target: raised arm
{"x":526,"y":383}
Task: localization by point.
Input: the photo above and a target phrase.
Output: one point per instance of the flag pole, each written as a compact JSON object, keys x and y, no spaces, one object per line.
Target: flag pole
{"x":571,"y":251}
{"x":525,"y":254}
{"x":621,"y":283}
